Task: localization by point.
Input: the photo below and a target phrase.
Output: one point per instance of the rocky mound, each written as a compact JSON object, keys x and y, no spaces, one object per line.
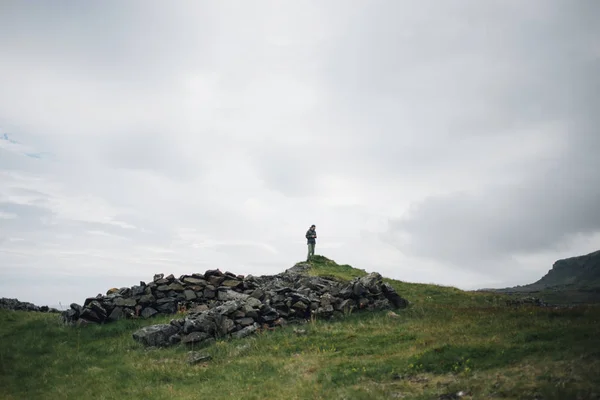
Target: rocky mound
{"x":242,"y":302}
{"x":14,"y":304}
{"x":268,"y":302}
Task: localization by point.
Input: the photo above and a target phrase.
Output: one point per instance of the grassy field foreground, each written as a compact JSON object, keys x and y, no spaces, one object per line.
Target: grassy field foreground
{"x":448,"y":341}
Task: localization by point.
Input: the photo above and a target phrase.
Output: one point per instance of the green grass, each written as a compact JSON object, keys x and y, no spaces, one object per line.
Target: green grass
{"x":445,"y":342}
{"x":322,"y":266}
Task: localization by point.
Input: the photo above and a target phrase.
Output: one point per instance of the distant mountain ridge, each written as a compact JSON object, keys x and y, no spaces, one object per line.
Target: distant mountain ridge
{"x":581,"y":271}
{"x":570,"y":280}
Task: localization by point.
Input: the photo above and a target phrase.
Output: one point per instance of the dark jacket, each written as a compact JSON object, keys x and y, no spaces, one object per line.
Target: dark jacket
{"x":311,"y":236}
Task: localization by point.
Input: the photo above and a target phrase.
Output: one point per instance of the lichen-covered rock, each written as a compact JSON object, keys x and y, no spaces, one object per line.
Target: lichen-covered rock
{"x":190,"y":280}
{"x":155,"y":335}
{"x":123,"y":302}
{"x":200,"y":323}
{"x":231,"y":283}
{"x":247,"y":331}
{"x":227,"y":295}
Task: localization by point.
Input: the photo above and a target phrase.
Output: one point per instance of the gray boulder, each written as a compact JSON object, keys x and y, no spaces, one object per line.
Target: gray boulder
{"x":393,"y":297}
{"x":155,"y":335}
{"x":200,"y":323}
{"x":228,"y":295}
{"x":116,"y":314}
{"x":123,"y":302}
{"x":149,"y":312}
{"x":195,"y":281}
{"x":247,"y":331}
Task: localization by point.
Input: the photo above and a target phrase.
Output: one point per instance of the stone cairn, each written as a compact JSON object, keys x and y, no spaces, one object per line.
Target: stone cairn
{"x":16,"y":305}
{"x":218,"y":304}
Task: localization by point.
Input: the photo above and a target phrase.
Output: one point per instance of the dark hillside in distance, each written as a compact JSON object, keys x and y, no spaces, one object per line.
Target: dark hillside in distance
{"x":570,"y":281}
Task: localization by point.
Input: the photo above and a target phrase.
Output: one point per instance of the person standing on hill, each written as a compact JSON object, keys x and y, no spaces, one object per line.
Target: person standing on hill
{"x":311,"y":237}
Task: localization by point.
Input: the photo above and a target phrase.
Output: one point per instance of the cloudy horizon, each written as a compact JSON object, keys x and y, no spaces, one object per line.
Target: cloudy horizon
{"x":452,"y":143}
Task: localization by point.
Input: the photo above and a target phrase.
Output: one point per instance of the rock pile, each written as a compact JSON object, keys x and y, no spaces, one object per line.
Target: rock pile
{"x":269,"y":302}
{"x":14,"y":304}
{"x":221,"y":304}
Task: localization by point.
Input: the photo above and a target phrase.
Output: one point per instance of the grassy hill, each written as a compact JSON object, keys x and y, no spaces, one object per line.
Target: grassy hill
{"x":447,"y":341}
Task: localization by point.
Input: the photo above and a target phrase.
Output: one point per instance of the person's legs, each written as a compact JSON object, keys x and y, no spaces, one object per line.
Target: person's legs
{"x":311,"y":251}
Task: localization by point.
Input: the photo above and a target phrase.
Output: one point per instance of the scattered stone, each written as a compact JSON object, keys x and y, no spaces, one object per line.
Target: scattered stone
{"x":195,"y":357}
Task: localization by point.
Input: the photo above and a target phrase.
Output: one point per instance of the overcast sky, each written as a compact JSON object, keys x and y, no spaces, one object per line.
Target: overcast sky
{"x":452,"y":142}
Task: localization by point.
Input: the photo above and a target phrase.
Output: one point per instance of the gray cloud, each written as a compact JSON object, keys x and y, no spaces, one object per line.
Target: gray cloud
{"x":555,"y":200}
{"x":469,"y":230}
{"x":151,"y":151}
{"x":488,"y":104}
